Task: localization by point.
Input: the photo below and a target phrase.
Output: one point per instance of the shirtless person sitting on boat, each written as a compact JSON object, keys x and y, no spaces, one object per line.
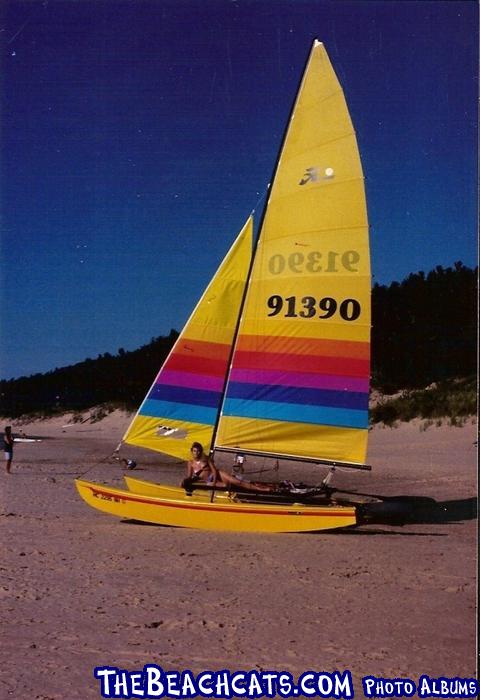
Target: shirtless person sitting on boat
{"x":202,"y":468}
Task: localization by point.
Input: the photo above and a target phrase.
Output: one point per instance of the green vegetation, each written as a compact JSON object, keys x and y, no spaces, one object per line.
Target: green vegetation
{"x":425,"y":329}
{"x":454,"y":400}
{"x":110,"y":381}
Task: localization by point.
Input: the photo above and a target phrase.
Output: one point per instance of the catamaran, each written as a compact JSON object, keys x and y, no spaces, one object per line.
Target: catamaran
{"x":275,"y":359}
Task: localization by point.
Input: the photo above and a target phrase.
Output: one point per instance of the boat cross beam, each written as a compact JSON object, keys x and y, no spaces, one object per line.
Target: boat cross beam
{"x":292,"y":458}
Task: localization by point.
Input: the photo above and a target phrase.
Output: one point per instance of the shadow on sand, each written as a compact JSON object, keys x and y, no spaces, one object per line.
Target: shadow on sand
{"x":403,"y":510}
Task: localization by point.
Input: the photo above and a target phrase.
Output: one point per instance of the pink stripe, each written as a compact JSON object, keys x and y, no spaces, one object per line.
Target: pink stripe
{"x":300,"y":379}
{"x":188,"y":379}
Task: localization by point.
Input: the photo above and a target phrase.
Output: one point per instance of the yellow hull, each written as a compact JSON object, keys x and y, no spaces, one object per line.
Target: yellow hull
{"x":201,"y":514}
{"x":149,"y":488}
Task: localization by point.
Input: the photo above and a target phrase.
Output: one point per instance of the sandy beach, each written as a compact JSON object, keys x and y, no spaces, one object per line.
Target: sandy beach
{"x":81,"y":589}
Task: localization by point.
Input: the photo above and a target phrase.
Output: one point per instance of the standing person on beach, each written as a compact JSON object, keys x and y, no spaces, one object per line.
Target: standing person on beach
{"x":8,"y":441}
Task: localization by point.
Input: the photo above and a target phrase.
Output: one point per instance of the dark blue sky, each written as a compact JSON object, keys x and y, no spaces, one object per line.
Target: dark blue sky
{"x":137,"y":137}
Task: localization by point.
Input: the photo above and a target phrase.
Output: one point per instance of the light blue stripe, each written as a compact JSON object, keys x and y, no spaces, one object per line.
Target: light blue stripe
{"x":295,"y":413}
{"x":179,"y":411}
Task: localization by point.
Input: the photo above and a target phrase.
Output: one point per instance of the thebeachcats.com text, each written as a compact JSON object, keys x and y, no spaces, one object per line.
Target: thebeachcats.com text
{"x":154,"y":682}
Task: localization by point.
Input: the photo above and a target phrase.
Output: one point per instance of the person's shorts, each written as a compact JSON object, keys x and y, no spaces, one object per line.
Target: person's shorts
{"x":8,"y":455}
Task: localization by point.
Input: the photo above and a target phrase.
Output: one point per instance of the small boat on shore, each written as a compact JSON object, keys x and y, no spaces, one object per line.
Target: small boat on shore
{"x":275,"y":359}
{"x":222,"y":515}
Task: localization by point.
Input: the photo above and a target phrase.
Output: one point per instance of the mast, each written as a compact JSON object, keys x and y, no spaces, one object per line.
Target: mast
{"x":256,"y":243}
{"x":211,"y":448}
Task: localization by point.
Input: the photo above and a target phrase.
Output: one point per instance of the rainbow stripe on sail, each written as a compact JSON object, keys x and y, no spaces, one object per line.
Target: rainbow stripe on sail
{"x":325,"y":391}
{"x":300,"y":373}
{"x":183,"y":403}
{"x":305,"y":398}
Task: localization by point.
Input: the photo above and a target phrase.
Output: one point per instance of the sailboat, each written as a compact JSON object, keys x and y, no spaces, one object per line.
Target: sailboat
{"x":275,"y":359}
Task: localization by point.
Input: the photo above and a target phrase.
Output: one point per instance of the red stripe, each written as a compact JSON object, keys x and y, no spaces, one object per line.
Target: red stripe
{"x":304,"y":346}
{"x":193,"y":506}
{"x":197,"y":365}
{"x":347,"y":367}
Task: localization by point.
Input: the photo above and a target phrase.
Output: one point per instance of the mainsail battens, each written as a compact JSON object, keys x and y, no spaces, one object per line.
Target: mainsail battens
{"x":300,"y":370}
{"x":183,"y":403}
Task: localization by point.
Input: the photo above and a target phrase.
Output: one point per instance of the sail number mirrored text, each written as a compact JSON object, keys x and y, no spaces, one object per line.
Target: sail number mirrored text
{"x":309,"y":307}
{"x":313,"y":262}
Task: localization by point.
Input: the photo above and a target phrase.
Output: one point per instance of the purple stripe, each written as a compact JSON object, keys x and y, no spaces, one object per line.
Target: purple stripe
{"x":301,"y":379}
{"x":195,"y":381}
{"x":185,"y":395}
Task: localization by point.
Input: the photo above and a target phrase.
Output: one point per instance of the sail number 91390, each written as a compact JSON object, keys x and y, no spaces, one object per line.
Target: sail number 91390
{"x":309,"y":307}
{"x":314,"y":262}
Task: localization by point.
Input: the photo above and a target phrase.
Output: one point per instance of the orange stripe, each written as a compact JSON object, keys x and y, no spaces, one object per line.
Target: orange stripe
{"x":304,"y":346}
{"x":201,"y":348}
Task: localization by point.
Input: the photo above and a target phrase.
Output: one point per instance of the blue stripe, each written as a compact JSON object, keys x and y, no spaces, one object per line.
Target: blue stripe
{"x":186,"y":395}
{"x":299,"y":395}
{"x":295,"y":413}
{"x":179,"y":411}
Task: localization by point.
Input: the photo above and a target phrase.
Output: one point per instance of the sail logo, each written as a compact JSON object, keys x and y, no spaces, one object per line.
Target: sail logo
{"x":316,"y":173}
{"x":167,"y":431}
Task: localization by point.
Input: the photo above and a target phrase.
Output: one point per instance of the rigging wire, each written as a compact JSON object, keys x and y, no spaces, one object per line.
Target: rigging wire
{"x":97,"y":464}
{"x":262,"y":196}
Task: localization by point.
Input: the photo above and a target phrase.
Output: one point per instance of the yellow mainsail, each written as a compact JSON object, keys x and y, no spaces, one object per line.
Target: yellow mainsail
{"x":299,"y":380}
